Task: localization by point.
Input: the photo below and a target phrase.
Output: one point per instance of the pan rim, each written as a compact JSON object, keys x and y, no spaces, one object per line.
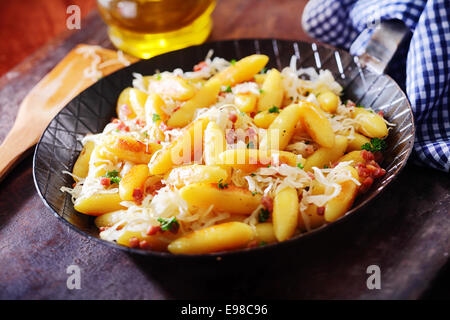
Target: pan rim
{"x":225,"y":254}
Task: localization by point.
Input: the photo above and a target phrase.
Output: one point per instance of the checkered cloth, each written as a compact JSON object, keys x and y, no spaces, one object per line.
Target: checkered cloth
{"x":426,"y":58}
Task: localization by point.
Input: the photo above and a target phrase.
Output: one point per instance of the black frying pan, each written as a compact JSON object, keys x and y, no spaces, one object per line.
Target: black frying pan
{"x":92,"y":109}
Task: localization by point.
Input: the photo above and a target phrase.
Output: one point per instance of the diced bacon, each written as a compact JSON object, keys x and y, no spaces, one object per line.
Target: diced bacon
{"x":138,"y":195}
{"x":311,"y":175}
{"x":320,"y":211}
{"x":134,"y":242}
{"x":350,"y":103}
{"x":200,"y":66}
{"x":144,"y":244}
{"x":267,"y":202}
{"x":141,"y":123}
{"x":153,"y":230}
{"x":232,"y":117}
{"x":381,"y":113}
{"x":367,"y":155}
{"x":105,"y":181}
{"x":123,"y":127}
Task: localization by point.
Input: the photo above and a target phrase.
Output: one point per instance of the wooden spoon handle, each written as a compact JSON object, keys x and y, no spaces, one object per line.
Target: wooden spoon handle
{"x":13,"y":149}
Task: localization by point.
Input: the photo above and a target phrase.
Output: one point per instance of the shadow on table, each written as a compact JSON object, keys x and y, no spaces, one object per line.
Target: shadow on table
{"x":275,"y":273}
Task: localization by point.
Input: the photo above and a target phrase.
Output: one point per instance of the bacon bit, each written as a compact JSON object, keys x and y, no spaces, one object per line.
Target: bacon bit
{"x":141,"y":123}
{"x":300,"y":197}
{"x":381,"y":113}
{"x":103,"y":229}
{"x":153,"y":230}
{"x":123,"y":126}
{"x":267,"y":202}
{"x":153,"y":189}
{"x":350,"y":103}
{"x":74,"y":184}
{"x":105,"y":181}
{"x":363,"y":172}
{"x":252,"y":244}
{"x":252,"y":114}
{"x":367,"y":155}
{"x":144,"y":244}
{"x":365,"y":185}
{"x":311,"y":175}
{"x":134,"y":242}
{"x":200,"y":66}
{"x":320,"y":211}
{"x":309,"y":149}
{"x":115,"y":120}
{"x":138,"y":195}
{"x":158,"y":141}
{"x":175,"y":227}
{"x":232,"y":117}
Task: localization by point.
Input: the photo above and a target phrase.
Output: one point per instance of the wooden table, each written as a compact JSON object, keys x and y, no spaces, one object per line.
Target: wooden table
{"x":404,"y":231}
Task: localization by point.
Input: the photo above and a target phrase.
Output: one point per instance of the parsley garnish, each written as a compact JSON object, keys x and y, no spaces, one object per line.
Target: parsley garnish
{"x":263,"y":70}
{"x":264,"y":215}
{"x":250,"y":145}
{"x":113,"y":176}
{"x":262,"y":243}
{"x":156,"y":117}
{"x":300,"y":166}
{"x":227,"y":89}
{"x":222,"y":185}
{"x":376,"y":144}
{"x":261,"y":90}
{"x":254,"y":193}
{"x":359,"y":106}
{"x":233,"y":62}
{"x":158,"y":76}
{"x":274,"y":109}
{"x":252,"y":174}
{"x":169,"y":224}
{"x":325,"y":167}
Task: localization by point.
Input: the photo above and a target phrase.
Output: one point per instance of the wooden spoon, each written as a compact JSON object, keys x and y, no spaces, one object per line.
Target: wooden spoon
{"x":82,"y":67}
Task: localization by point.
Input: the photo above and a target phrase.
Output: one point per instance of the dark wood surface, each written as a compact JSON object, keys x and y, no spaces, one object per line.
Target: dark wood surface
{"x":404,"y":231}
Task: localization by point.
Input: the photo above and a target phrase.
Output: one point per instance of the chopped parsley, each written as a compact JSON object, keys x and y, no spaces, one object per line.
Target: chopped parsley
{"x":250,"y":145}
{"x":360,"y":106}
{"x":254,"y":193}
{"x":222,"y":185}
{"x":325,"y":167}
{"x":169,"y":224}
{"x":300,"y":166}
{"x":156,"y":117}
{"x":274,"y":109}
{"x":113,"y":176}
{"x":263,"y":70}
{"x":262,"y":243}
{"x":158,"y":76}
{"x":376,"y":144}
{"x":252,"y":174}
{"x":227,"y":89}
{"x":261,"y":91}
{"x":264,"y":215}
{"x":233,"y":62}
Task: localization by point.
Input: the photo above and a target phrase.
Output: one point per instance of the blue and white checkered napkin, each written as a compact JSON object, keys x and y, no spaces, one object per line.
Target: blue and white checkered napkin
{"x":427,"y":59}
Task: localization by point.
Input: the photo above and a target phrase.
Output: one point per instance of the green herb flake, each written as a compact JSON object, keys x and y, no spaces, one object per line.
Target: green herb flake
{"x":227,"y":89}
{"x":263,"y":70}
{"x":158,"y":76}
{"x":274,"y":109}
{"x":169,"y":224}
{"x":156,"y":117}
{"x":254,"y":193}
{"x":325,"y":167}
{"x":113,"y":176}
{"x":252,"y":174}
{"x":376,"y":144}
{"x":261,"y":91}
{"x":262,"y":243}
{"x":222,"y":185}
{"x":300,"y":166}
{"x":250,"y":145}
{"x":264,"y":215}
{"x":360,"y":106}
{"x":233,"y":62}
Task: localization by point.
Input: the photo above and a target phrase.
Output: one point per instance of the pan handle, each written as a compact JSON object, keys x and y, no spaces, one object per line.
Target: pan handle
{"x":384,"y":42}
